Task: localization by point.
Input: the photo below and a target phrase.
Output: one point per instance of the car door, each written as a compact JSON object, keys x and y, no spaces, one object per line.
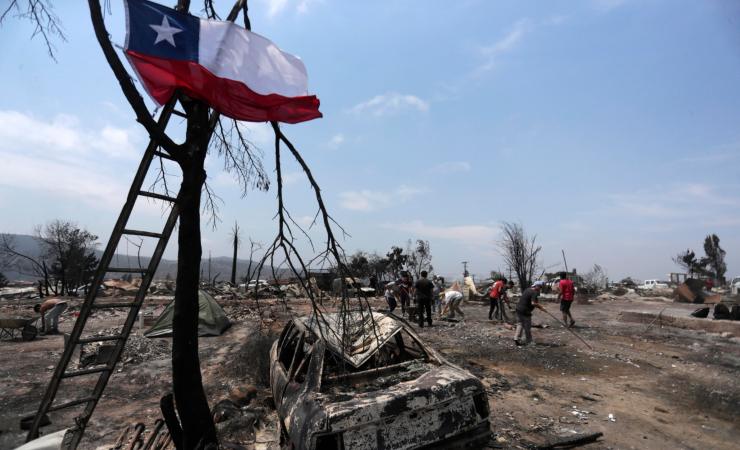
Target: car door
{"x":285,"y":350}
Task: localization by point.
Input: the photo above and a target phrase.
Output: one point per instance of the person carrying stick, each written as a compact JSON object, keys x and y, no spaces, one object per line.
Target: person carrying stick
{"x":527,"y":303}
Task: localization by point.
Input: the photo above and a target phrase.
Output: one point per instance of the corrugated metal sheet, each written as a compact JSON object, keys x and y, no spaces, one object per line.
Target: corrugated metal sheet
{"x":354,"y":336}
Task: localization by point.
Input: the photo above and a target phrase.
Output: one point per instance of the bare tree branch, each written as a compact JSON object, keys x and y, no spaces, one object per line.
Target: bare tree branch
{"x":520,"y":252}
{"x":241,"y":157}
{"x":210,"y":205}
{"x":41,"y":14}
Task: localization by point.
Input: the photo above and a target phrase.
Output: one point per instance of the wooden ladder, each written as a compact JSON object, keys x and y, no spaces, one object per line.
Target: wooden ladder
{"x":91,"y":304}
{"x":104,"y":371}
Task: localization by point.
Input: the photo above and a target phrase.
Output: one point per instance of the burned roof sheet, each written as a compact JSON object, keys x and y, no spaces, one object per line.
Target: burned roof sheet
{"x":354,"y":336}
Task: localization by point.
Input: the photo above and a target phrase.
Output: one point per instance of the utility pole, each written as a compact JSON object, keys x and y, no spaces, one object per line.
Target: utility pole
{"x":564,"y":261}
{"x":465,"y":268}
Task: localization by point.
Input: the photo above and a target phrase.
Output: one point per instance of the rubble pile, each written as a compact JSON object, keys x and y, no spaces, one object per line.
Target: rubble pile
{"x":162,"y":288}
{"x":241,"y":313}
{"x":18,"y":292}
{"x":138,"y":349}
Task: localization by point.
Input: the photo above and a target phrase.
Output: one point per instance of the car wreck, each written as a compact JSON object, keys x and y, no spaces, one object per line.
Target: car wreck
{"x":365,"y":380}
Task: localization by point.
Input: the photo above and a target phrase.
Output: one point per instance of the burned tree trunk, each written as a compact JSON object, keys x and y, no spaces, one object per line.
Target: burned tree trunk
{"x":191,"y":402}
{"x":187,"y":384}
{"x":236,"y":248}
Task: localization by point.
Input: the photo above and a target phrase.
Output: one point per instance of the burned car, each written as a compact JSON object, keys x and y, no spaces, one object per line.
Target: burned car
{"x":365,"y":380}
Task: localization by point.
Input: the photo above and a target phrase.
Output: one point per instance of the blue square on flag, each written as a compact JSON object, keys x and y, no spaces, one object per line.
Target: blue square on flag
{"x":162,"y":32}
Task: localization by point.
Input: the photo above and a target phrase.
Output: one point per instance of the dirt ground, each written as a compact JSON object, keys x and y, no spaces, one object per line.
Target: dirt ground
{"x":644,"y":386}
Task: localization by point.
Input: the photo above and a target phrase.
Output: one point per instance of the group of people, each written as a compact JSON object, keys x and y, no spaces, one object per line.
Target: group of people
{"x":431,"y":295}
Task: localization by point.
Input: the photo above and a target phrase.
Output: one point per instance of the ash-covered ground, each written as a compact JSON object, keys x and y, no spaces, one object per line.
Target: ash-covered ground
{"x":643,"y":385}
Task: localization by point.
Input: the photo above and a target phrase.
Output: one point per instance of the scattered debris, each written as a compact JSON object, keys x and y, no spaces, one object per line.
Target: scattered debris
{"x":572,"y":441}
{"x":138,"y":349}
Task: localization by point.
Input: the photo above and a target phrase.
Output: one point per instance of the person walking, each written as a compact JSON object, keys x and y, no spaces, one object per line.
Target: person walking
{"x":527,"y":303}
{"x":435,"y":294}
{"x":424,"y":289}
{"x":566,"y":296}
{"x":494,"y":298}
{"x":390,"y":297}
{"x":404,"y":291}
{"x":50,"y":311}
{"x":374,"y":285}
{"x":504,"y":298}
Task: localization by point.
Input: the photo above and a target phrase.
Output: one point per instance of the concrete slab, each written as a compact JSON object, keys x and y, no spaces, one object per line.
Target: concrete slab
{"x":678,"y":316}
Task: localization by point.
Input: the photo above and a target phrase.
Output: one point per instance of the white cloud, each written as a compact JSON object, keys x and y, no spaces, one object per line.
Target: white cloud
{"x":491,"y":54}
{"x":687,"y":200}
{"x":277,"y":7}
{"x":290,"y":178}
{"x":557,"y":19}
{"x":368,"y":200}
{"x":722,"y":222}
{"x":61,"y":179}
{"x":304,"y":5}
{"x":224,"y":179}
{"x":452,"y":167}
{"x":506,"y":44}
{"x":304,"y":221}
{"x":65,"y":136}
{"x":391,"y":103}
{"x":577,"y":226}
{"x":466,"y":234}
{"x":711,"y":158}
{"x":260,"y":134}
{"x":336,"y":141}
{"x":696,"y":190}
{"x":63,"y":159}
{"x":510,"y":39}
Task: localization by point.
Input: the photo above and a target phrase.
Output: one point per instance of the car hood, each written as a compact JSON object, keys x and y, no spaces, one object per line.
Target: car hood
{"x":439,"y":384}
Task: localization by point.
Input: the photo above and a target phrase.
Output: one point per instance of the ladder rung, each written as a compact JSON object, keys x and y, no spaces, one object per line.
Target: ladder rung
{"x":72,"y":403}
{"x":88,"y":340}
{"x":142,"y":233}
{"x":78,"y":373}
{"x":158,"y":196}
{"x":163,"y":155}
{"x":179,"y":113}
{"x":127,"y":269}
{"x":114,"y":305}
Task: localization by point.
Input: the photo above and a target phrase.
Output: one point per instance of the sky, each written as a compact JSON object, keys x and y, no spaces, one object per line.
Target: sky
{"x":608,"y":128}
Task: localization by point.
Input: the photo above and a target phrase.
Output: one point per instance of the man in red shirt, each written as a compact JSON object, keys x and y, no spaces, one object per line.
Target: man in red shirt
{"x":497,"y":297}
{"x":566,"y":296}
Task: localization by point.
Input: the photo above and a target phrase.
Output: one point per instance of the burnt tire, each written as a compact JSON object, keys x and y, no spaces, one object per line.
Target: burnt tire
{"x":721,"y":312}
{"x":29,"y":332}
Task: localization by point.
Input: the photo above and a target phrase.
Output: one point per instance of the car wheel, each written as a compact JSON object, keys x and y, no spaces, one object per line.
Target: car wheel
{"x":284,"y":440}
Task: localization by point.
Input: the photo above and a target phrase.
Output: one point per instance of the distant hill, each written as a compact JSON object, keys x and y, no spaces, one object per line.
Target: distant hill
{"x":220,"y":265}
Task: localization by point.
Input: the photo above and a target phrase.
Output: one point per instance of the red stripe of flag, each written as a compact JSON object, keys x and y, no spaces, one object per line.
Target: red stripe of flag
{"x":232,"y":98}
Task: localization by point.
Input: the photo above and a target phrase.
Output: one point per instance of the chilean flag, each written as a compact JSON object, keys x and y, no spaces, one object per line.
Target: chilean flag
{"x":239,"y":73}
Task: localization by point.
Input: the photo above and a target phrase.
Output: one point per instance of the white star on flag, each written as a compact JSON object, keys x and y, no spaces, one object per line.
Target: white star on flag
{"x":165,"y":32}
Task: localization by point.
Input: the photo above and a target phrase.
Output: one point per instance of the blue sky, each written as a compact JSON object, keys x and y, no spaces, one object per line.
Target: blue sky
{"x":609,"y":128}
